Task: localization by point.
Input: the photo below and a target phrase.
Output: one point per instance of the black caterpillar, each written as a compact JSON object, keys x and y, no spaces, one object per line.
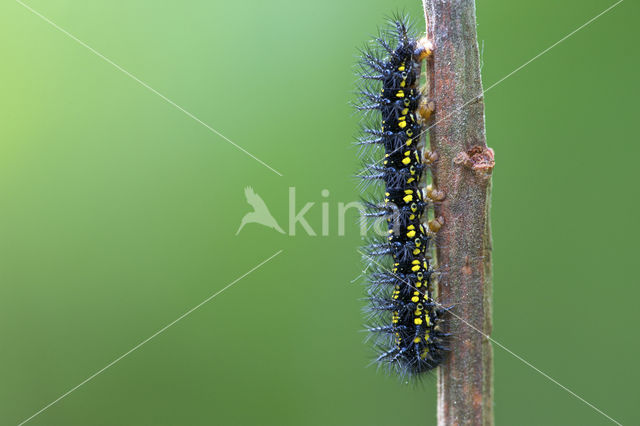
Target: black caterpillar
{"x":406,"y":320}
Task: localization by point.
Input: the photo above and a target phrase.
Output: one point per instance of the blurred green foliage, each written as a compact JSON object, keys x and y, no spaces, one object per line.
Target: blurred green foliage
{"x":119,"y":213}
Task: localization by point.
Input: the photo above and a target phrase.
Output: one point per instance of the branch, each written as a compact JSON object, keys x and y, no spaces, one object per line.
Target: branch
{"x":463,"y":171}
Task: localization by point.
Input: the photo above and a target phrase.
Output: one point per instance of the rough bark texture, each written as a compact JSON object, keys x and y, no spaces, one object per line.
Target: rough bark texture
{"x":463,"y":172}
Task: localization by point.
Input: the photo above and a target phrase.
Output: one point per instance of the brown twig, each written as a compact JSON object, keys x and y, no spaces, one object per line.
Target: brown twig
{"x":463,"y":173}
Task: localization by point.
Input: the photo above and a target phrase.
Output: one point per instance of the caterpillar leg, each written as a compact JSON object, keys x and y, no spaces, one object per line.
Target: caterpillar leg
{"x":435,"y":194}
{"x":435,"y":224}
{"x":430,"y":157}
{"x":424,"y":49}
{"x":426,"y":109}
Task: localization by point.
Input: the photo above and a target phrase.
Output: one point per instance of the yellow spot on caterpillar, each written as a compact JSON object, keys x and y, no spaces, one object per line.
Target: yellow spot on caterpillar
{"x":401,"y":67}
{"x":408,"y":191}
{"x":417,"y":321}
{"x":415,"y":299}
{"x":410,"y":180}
{"x":407,"y":198}
{"x":415,"y":268}
{"x":415,"y":262}
{"x":416,"y":252}
{"x":411,"y":227}
{"x":400,"y":94}
{"x":409,"y":141}
{"x":406,"y":154}
{"x":418,"y":284}
{"x":417,"y":340}
{"x":406,"y":160}
{"x":405,"y":111}
{"x":402,"y":124}
{"x":411,"y":234}
{"x":402,"y":83}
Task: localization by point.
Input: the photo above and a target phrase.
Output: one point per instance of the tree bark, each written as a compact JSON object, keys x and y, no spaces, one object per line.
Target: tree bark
{"x":463,"y":171}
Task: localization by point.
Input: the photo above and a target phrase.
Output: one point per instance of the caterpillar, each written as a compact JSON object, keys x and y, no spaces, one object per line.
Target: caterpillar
{"x":405,"y":321}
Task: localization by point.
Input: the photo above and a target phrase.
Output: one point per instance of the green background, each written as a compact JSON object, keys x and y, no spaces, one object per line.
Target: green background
{"x":119,"y":213}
